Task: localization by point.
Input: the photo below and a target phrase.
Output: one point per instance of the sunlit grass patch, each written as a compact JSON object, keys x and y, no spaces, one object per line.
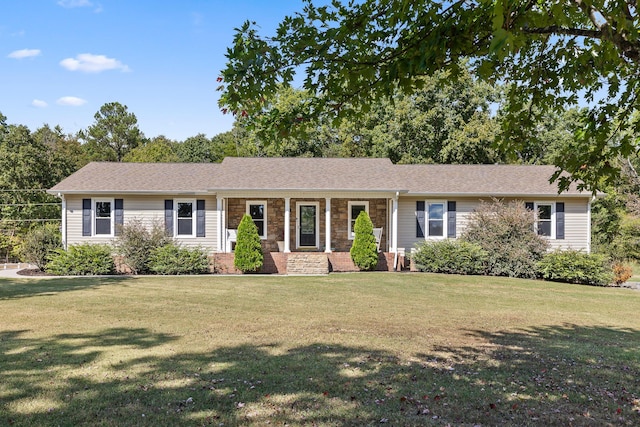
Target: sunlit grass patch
{"x":357,"y":349}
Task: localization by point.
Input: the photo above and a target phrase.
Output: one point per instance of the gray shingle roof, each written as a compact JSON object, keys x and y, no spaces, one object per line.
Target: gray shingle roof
{"x":498,"y":180}
{"x":312,"y":174}
{"x":106,"y":177}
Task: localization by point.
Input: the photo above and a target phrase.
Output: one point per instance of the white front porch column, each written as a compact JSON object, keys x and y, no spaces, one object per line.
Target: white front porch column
{"x":222,"y":216}
{"x":287,"y":224}
{"x":394,"y":225}
{"x":219,"y":240}
{"x":327,"y":224}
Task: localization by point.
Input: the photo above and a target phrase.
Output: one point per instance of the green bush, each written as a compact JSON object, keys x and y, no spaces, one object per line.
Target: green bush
{"x":626,"y":244}
{"x":248,"y":256}
{"x":450,"y":256}
{"x":174,"y":259}
{"x":136,"y":242}
{"x":39,"y":243}
{"x":506,"y":233}
{"x":573,"y":266}
{"x":84,"y":259}
{"x":364,"y":250}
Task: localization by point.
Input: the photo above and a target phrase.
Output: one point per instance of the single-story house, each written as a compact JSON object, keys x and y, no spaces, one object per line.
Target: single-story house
{"x":304,"y":206}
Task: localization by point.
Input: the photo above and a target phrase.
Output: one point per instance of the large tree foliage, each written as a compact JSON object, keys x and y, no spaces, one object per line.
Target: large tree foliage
{"x":552,"y":54}
{"x":159,"y":149}
{"x":114,"y":133}
{"x":28,"y":167}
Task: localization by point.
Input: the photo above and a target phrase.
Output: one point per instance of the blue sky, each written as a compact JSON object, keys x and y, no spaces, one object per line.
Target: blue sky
{"x":61,"y":60}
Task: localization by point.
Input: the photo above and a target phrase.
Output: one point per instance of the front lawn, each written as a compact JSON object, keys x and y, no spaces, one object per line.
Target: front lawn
{"x":345,"y":349}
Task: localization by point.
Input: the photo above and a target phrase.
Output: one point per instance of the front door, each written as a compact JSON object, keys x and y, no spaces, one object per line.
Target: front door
{"x":308,"y":225}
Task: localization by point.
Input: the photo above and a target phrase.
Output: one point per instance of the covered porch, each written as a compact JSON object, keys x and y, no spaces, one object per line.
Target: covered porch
{"x":294,"y":226}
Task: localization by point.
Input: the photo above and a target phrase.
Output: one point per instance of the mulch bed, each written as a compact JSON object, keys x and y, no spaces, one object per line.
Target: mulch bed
{"x":32,"y":272}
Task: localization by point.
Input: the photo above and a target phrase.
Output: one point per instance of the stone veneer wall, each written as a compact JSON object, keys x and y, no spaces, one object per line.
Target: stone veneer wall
{"x":340,"y":242}
{"x":340,"y":222}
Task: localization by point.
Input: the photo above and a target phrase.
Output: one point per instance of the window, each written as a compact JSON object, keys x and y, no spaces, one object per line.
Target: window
{"x":354,"y":210}
{"x":103,"y":217}
{"x":185,"y":218}
{"x":544,"y":219}
{"x":435,"y":219}
{"x":257,"y":210}
{"x":432,"y":219}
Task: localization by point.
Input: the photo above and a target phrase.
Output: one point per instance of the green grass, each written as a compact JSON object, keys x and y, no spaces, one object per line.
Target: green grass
{"x":346,"y":349}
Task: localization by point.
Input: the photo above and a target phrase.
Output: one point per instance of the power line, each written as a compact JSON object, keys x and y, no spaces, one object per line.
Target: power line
{"x":7,"y":190}
{"x":31,"y":204}
{"x":29,"y":220}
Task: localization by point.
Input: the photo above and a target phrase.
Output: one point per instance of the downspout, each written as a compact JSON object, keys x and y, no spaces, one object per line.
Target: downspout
{"x":394,"y":226}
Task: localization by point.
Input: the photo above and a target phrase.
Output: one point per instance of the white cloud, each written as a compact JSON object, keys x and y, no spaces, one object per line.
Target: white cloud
{"x":38,"y":103}
{"x":71,"y":101}
{"x":74,"y":3}
{"x":90,"y":63}
{"x":24,"y":53}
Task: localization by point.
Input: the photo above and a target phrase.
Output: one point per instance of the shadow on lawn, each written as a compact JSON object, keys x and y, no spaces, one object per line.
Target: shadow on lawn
{"x":24,"y":288}
{"x":546,"y":376}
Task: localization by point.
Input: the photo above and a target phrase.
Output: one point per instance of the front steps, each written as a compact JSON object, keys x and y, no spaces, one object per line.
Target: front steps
{"x":307,"y":263}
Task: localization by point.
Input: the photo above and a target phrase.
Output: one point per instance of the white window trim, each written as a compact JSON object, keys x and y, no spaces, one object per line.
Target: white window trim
{"x":194,"y":214}
{"x":445,"y":221}
{"x":553,"y":217}
{"x":264,"y":203}
{"x":317,"y":205}
{"x":94,"y":216}
{"x":364,"y":203}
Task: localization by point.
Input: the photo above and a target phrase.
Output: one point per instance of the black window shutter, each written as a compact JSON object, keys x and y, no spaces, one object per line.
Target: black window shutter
{"x":200,"y":224}
{"x":86,"y":217}
{"x":119,"y":216}
{"x":451,"y":219}
{"x":168,"y":217}
{"x":420,"y":219}
{"x":560,"y":220}
{"x":528,"y":205}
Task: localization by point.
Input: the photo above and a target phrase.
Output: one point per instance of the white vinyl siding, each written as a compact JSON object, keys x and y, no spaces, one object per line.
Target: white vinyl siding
{"x":147,"y":209}
{"x":576,"y":226}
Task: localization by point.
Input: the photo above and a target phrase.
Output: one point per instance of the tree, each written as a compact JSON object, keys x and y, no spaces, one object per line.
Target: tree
{"x":159,"y":149}
{"x":364,"y":250}
{"x":28,"y":167}
{"x":199,"y":149}
{"x":114,"y":133}
{"x":552,"y":54}
{"x":248,"y":256}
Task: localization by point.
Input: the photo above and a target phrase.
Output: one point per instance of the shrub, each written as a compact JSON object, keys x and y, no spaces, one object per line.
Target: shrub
{"x":573,"y":266}
{"x":84,"y":259}
{"x":174,"y":259}
{"x":248,"y":255}
{"x":136,"y":242}
{"x":626,"y":244}
{"x":621,"y":273}
{"x":364,"y":250}
{"x":450,"y":256}
{"x":506,"y":232}
{"x":39,"y":243}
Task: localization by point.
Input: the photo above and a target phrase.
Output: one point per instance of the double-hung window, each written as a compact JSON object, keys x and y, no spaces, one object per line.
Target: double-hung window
{"x":355,"y":207}
{"x":185,"y":218}
{"x":257,"y":210}
{"x":435,"y":219}
{"x":544,"y":219}
{"x":103,"y":216}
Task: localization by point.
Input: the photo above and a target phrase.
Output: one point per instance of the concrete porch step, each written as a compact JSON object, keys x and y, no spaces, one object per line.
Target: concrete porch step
{"x":307,"y":263}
